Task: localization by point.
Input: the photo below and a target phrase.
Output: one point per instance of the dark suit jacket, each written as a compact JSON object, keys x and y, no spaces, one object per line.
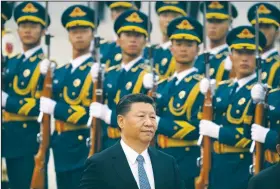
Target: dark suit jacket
{"x":109,"y":169}
{"x":266,"y":179}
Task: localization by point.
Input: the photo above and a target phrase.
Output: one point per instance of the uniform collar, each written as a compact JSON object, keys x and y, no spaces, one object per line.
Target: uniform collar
{"x":183,"y":74}
{"x":266,"y":54}
{"x":30,"y":52}
{"x":79,"y":60}
{"x":216,"y":50}
{"x":242,"y":82}
{"x":131,"y":155}
{"x":129,"y":65}
{"x":166,"y":45}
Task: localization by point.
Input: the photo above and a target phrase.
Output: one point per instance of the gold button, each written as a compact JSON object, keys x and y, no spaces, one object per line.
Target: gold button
{"x":187,"y":149}
{"x":80,"y":137}
{"x":70,"y":111}
{"x":224,"y":114}
{"x":73,"y":93}
{"x":278,"y":122}
{"x":237,"y":136}
{"x":164,"y":109}
{"x":237,"y":111}
{"x":24,"y":125}
{"x":10,"y":84}
{"x":22,"y":83}
{"x":21,"y":102}
{"x":241,"y":156}
{"x":175,"y":127}
{"x":60,"y":94}
{"x":178,"y":105}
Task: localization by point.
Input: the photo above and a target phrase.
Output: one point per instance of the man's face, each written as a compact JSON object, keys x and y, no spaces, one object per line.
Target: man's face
{"x":30,"y":33}
{"x":270,"y":33}
{"x":165,"y":18}
{"x":243,"y":61}
{"x":139,"y":124}
{"x":132,"y":43}
{"x":116,"y":12}
{"x":217,"y":29}
{"x":184,"y":51}
{"x":80,"y":37}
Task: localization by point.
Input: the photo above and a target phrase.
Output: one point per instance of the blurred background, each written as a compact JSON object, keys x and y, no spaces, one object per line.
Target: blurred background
{"x":61,"y":48}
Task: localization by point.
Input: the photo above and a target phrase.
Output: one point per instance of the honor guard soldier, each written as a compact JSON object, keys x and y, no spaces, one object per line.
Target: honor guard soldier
{"x":218,"y":21}
{"x":72,"y":91}
{"x":179,"y":100}
{"x":267,"y":133}
{"x":128,"y":77}
{"x":24,"y":73}
{"x":234,"y":112}
{"x":167,"y":11}
{"x":269,"y":24}
{"x":110,"y":50}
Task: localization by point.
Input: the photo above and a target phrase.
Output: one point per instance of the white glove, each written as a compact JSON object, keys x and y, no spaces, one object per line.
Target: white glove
{"x":100,"y":111}
{"x":258,"y":93}
{"x":259,"y":133}
{"x":228,"y":64}
{"x":209,"y":128}
{"x":94,"y":71}
{"x":148,"y":80}
{"x":44,"y":66}
{"x":205,"y":84}
{"x":4,"y":98}
{"x":47,"y":105}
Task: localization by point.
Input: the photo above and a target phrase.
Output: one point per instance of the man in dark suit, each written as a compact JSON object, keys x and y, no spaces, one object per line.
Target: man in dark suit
{"x":268,"y":178}
{"x":131,"y":163}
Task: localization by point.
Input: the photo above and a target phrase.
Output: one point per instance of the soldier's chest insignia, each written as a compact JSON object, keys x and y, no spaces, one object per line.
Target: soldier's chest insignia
{"x":118,"y":57}
{"x":82,"y":68}
{"x":264,"y":75}
{"x":268,"y":60}
{"x":241,"y":101}
{"x":128,"y":85}
{"x":182,"y":94}
{"x":109,"y":85}
{"x":212,"y":70}
{"x":26,"y":73}
{"x":164,"y":61}
{"x":76,"y":82}
{"x":33,"y":58}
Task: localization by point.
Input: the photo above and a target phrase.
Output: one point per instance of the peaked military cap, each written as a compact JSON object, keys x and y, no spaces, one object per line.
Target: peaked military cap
{"x":243,"y":37}
{"x":175,"y":6}
{"x":185,"y":28}
{"x":219,"y":10}
{"x":268,"y":14}
{"x":132,"y":20}
{"x":31,"y":11}
{"x":78,"y":15}
{"x":6,"y":11}
{"x":125,"y":4}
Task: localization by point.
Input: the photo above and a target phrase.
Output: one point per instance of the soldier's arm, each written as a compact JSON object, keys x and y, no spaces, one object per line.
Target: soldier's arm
{"x":271,"y":140}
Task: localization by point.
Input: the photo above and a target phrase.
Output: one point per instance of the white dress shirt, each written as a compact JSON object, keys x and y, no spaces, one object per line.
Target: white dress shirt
{"x":30,"y":52}
{"x":130,"y":64}
{"x":131,"y":156}
{"x":78,"y":61}
{"x":244,"y":81}
{"x":217,"y":49}
{"x":183,"y":74}
{"x":166,"y":45}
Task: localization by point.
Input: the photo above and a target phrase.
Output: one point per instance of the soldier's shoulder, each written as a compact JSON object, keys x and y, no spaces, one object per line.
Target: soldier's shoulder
{"x":162,"y":81}
{"x":274,"y":90}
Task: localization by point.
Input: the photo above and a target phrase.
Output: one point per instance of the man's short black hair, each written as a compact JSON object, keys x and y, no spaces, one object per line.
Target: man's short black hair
{"x":125,"y":103}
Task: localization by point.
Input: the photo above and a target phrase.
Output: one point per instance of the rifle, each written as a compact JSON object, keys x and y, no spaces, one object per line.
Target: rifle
{"x":258,"y":157}
{"x":94,"y":142}
{"x":207,"y":113}
{"x":38,"y":177}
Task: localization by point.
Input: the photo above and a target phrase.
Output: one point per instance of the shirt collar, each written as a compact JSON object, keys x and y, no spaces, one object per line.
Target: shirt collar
{"x":166,"y":45}
{"x":266,"y":54}
{"x":245,"y":80}
{"x":216,"y":50}
{"x":79,"y":60}
{"x":183,"y":74}
{"x":129,"y":65}
{"x":132,"y":155}
{"x":30,"y":52}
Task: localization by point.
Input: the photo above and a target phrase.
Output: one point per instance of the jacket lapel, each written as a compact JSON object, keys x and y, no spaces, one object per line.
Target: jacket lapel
{"x":156,"y":167}
{"x":122,"y":168}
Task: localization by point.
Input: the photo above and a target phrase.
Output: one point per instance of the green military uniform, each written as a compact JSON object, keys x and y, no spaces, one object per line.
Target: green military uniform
{"x":178,"y":104}
{"x":120,"y":81}
{"x":234,"y":113}
{"x":216,"y":10}
{"x":268,"y":14}
{"x":20,"y":127}
{"x":163,"y":61}
{"x":72,"y":92}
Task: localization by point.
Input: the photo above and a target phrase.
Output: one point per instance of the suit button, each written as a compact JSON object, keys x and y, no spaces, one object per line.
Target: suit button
{"x":80,"y":137}
{"x":241,"y":156}
{"x":24,"y":125}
